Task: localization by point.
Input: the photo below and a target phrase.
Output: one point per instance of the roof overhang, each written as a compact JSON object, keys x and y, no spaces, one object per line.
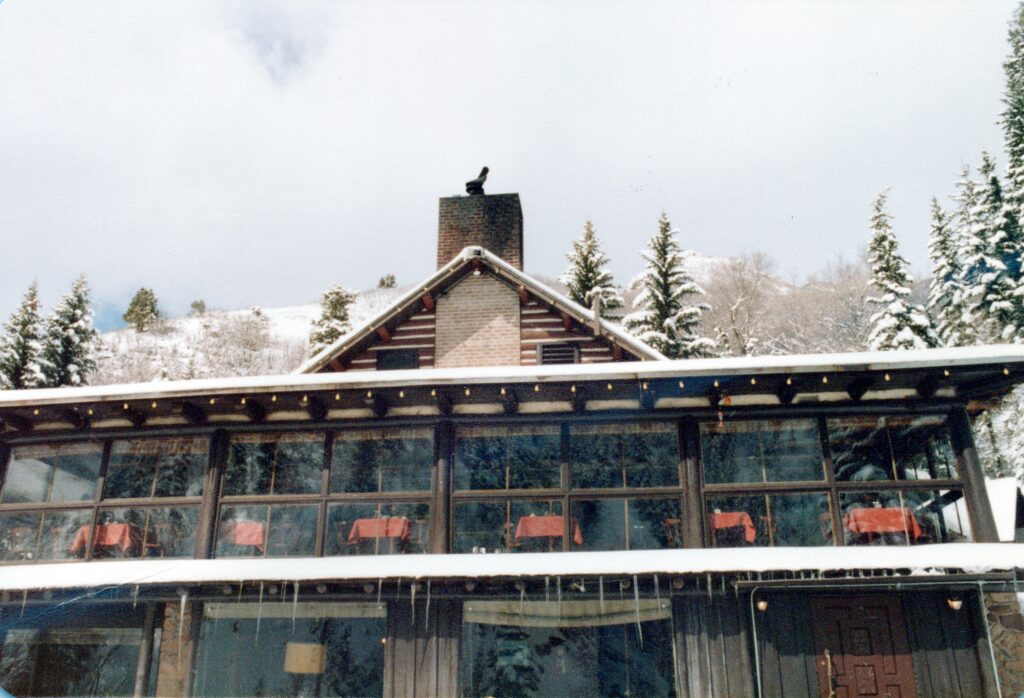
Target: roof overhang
{"x":970,"y":375}
{"x":916,"y":561}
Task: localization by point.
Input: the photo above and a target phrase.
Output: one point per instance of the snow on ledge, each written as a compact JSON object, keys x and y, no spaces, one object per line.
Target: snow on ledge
{"x":972,"y":558}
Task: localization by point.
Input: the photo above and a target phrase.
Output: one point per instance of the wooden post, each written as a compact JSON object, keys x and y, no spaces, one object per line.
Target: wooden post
{"x":211,"y":493}
{"x":693,"y":501}
{"x":444,"y":449}
{"x":983,"y":525}
{"x":145,"y":652}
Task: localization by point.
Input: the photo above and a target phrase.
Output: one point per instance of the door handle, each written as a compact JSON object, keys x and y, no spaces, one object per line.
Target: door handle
{"x":830,"y":666}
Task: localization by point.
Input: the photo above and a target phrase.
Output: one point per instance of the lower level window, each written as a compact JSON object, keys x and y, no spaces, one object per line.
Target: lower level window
{"x":904,"y":517}
{"x":594,"y":647}
{"x":281,"y":649}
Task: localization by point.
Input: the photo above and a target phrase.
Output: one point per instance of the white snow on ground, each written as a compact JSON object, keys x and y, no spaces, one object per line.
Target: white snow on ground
{"x":972,"y":558}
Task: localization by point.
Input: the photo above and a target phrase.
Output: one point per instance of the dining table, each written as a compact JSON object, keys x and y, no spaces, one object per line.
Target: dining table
{"x":720,"y":520}
{"x":121,"y":537}
{"x":872,"y":521}
{"x":547,"y":526}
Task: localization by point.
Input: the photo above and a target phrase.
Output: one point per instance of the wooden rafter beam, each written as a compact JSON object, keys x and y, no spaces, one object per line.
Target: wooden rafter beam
{"x":578,"y":400}
{"x":255,"y":411}
{"x":566,"y":321}
{"x":427,"y":300}
{"x":316,"y":408}
{"x":509,"y":401}
{"x":786,"y":393}
{"x":336,"y":366}
{"x":616,"y":352}
{"x":135,"y":416}
{"x":859,"y":386}
{"x":384,"y":334}
{"x":524,"y":297}
{"x":378,"y":405}
{"x":76,"y":419}
{"x":17,"y":421}
{"x":928,"y":386}
{"x":444,"y":403}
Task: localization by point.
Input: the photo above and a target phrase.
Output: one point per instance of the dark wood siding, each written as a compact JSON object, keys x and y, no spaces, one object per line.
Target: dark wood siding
{"x":712,"y":648}
{"x":540,"y":324}
{"x":415,"y":333}
{"x":786,"y":645}
{"x":422,"y":654}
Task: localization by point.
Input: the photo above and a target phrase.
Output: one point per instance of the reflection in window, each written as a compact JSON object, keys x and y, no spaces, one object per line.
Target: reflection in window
{"x":377,"y":529}
{"x":313,"y":649}
{"x":50,"y":535}
{"x":156,"y":468}
{"x":627,"y":524}
{"x":283,"y":463}
{"x":143,"y":532}
{"x":271,"y":531}
{"x":52,"y":473}
{"x":526,"y":457}
{"x":767,"y":520}
{"x":898,"y":517}
{"x":77,"y":650}
{"x":888,"y":448}
{"x":382,"y":461}
{"x":761,"y":451}
{"x":568,"y":648}
{"x":625,"y":455}
{"x":509,"y":525}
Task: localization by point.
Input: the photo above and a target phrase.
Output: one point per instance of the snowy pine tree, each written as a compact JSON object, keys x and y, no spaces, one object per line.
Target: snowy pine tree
{"x":945,"y":295}
{"x":333,"y":321}
{"x":1012,"y":118}
{"x":991,"y":267}
{"x":666,"y":320}
{"x":69,"y":346}
{"x":142,"y":313}
{"x":587,"y":275}
{"x":898,"y":324}
{"x":22,"y":344}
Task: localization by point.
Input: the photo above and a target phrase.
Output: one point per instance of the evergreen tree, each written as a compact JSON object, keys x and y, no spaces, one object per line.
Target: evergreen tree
{"x":22,"y":345}
{"x":898,"y":324}
{"x":991,"y":266}
{"x":1012,"y":117}
{"x":387,"y":281}
{"x":945,"y":294}
{"x":69,"y":346}
{"x":666,"y":321}
{"x":587,"y":276}
{"x":333,"y":321}
{"x":198,"y":307}
{"x":142,"y":313}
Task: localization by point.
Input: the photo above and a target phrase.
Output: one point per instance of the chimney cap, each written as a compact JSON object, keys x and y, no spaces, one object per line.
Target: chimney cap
{"x":475,"y":187}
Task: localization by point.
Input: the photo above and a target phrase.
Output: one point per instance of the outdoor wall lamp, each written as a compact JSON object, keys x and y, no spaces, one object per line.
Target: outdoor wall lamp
{"x":955,"y":602}
{"x":762,"y":605}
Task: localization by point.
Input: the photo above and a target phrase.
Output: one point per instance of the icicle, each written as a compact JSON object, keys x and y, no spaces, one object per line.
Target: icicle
{"x":547,"y":581}
{"x":24,"y":600}
{"x":426,"y":614}
{"x":259,"y":613}
{"x":295,"y":602}
{"x":135,"y":595}
{"x":240,"y":586}
{"x":181,"y":623}
{"x":398,"y":589}
{"x":412,"y":602}
{"x":636,"y":606}
{"x":600,"y":593}
{"x":558,"y":592}
{"x":710,"y":590}
{"x":522,"y":596}
{"x":380,"y":585}
{"x":657,"y":588}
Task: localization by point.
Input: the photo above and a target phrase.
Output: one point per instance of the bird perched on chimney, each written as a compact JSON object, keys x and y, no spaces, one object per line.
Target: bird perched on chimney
{"x":475,"y":187}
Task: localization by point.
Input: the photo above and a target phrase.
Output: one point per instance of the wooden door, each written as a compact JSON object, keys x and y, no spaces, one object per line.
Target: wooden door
{"x":861,"y":647}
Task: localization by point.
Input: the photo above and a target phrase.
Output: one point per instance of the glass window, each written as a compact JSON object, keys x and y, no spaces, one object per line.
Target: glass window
{"x":74,"y":650}
{"x":146,"y":532}
{"x":904,"y":517}
{"x":765,"y":520}
{"x":524,"y":457}
{"x":626,"y":524}
{"x":509,"y":525}
{"x":156,"y":468}
{"x":587,"y":647}
{"x":265,"y":530}
{"x":304,"y":649}
{"x":761,"y":451}
{"x":891,"y":448}
{"x":397,"y":359}
{"x":625,"y":455}
{"x":52,"y":473}
{"x":388,"y":460}
{"x":377,"y":529}
{"x":274,"y":463}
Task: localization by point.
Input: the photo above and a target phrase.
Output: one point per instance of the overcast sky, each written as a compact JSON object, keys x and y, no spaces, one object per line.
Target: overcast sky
{"x":254,"y":153}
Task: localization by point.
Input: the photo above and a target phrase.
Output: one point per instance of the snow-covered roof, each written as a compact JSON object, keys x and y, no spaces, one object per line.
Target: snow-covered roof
{"x":971,"y":558}
{"x":1010,"y":357}
{"x":1003,"y":494}
{"x":445,"y":276}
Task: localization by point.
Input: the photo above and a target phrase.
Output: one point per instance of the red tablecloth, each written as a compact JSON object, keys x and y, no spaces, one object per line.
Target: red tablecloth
{"x":734,"y":519}
{"x":118,"y":535}
{"x":547,"y":527}
{"x":245,"y":533}
{"x":883,"y":520}
{"x":385,"y":527}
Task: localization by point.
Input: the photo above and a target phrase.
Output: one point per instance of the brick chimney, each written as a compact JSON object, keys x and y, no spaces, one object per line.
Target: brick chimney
{"x":492,"y":221}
